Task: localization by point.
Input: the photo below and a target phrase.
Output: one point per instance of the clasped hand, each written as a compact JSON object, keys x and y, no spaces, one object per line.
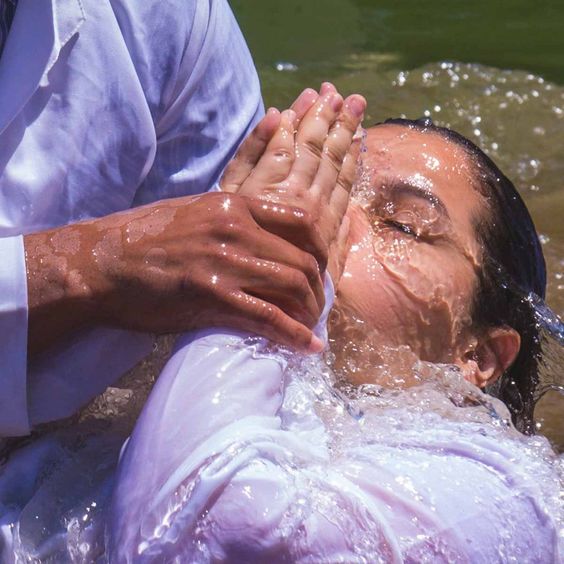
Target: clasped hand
{"x":248,"y":258}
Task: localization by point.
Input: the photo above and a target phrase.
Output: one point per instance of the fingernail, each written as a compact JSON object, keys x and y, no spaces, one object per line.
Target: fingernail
{"x":336,"y":102}
{"x":309,"y":95}
{"x":357,"y":105}
{"x":316,"y":345}
{"x":327,"y":87}
{"x":290,"y":115}
{"x":359,"y":133}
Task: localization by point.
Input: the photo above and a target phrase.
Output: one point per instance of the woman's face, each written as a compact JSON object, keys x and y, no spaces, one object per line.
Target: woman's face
{"x":410,"y":272}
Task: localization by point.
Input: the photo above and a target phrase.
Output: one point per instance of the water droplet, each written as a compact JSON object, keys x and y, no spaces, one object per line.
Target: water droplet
{"x":285,"y":67}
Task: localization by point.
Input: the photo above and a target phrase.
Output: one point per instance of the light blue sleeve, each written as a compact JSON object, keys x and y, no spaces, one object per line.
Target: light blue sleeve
{"x":203,"y":95}
{"x":13,"y":328}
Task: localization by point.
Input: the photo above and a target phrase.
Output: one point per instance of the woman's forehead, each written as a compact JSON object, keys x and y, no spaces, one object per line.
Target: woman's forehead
{"x":425,"y":162}
{"x":398,"y":154}
{"x":400,"y":145}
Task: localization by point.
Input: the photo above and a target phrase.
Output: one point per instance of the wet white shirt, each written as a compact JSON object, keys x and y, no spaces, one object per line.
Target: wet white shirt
{"x":104,"y":105}
{"x":245,"y":454}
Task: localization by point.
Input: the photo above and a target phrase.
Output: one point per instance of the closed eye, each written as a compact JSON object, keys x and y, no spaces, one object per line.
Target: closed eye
{"x":403,"y":227}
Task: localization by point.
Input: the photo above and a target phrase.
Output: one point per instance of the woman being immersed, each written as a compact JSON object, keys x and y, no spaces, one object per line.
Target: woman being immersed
{"x":246,"y":453}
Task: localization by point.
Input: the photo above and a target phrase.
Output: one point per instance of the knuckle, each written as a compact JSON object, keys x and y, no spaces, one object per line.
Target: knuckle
{"x":261,"y":136}
{"x":300,"y":283}
{"x":231,"y":260}
{"x":299,"y":196}
{"x":349,"y":122}
{"x":251,"y":202}
{"x":233,"y":228}
{"x":223,"y":231}
{"x":345,"y":180}
{"x":313,"y":146}
{"x":283,"y":154}
{"x":334,"y":155}
{"x":243,"y":158}
{"x":311,"y":267}
{"x":268,"y":313}
{"x":303,"y":218}
{"x":236,"y":201}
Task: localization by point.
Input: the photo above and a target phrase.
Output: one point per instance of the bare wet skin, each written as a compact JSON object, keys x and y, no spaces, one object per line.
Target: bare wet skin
{"x":410,"y":271}
{"x":411,"y":230}
{"x":142,"y":274}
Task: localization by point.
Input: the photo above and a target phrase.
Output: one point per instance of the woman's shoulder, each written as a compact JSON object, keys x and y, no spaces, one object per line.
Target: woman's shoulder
{"x":491,"y":491}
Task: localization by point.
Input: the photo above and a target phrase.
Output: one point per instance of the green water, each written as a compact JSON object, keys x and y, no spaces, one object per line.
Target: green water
{"x":321,"y":34}
{"x":493,"y":70}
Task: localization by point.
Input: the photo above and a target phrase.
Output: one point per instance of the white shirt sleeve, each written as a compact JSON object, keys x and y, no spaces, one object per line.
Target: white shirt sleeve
{"x":185,"y":96}
{"x":208,"y":98}
{"x":13,"y":331}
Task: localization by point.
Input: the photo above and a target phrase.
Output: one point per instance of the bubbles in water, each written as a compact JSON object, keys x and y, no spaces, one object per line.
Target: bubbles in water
{"x":285,"y":67}
{"x":516,"y":117}
{"x":438,"y":402}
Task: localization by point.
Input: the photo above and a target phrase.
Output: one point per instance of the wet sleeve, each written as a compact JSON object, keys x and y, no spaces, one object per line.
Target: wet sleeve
{"x":213,"y":401}
{"x":13,"y":329}
{"x":213,"y":411}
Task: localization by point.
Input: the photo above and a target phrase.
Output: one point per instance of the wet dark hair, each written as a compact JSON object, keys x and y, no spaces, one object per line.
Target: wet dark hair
{"x":513,"y":269}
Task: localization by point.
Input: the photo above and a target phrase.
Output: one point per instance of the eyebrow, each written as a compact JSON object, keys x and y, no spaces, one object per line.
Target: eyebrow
{"x":405,"y":187}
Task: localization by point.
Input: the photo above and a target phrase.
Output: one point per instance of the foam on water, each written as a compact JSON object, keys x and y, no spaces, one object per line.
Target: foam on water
{"x":517,"y":118}
{"x":65,"y":518}
{"x":342,"y":420}
{"x":440,"y":405}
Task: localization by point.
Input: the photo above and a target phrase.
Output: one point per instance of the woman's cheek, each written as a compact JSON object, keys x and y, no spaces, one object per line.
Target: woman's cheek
{"x":402,"y":289}
{"x":379,"y":251}
{"x":362,"y":273}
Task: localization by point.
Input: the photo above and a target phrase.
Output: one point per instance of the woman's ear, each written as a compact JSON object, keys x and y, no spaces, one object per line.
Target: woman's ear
{"x":492,"y":354}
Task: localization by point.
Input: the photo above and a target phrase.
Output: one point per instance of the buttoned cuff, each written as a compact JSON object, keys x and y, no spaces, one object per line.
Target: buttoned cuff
{"x":13,"y":337}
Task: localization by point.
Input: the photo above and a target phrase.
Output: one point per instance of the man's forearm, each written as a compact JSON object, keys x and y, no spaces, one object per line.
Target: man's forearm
{"x":173,"y":266}
{"x":62,"y":295}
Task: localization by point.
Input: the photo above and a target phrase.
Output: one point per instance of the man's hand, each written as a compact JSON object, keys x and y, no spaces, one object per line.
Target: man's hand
{"x":216,"y":259}
{"x":304,"y":157}
{"x":174,"y":266}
